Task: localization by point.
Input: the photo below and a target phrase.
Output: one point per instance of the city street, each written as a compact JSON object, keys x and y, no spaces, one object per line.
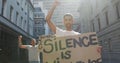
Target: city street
{"x":59,"y":31}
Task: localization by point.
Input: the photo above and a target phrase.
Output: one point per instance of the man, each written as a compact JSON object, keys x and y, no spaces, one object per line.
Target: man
{"x":68,"y":22}
{"x":33,"y":50}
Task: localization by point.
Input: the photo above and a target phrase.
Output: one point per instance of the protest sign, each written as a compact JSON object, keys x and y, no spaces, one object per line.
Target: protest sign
{"x":81,"y":48}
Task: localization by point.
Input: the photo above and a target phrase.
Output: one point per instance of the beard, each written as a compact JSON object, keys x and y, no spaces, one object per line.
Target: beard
{"x":68,"y":25}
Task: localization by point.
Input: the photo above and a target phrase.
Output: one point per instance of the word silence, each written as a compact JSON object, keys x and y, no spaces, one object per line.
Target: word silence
{"x":71,"y":49}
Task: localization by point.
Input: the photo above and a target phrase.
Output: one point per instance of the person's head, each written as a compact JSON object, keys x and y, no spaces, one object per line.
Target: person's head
{"x":68,"y":21}
{"x":33,"y":42}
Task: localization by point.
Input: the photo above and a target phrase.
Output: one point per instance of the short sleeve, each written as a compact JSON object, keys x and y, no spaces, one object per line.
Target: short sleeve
{"x":77,"y":33}
{"x":59,"y":31}
{"x":28,"y":46}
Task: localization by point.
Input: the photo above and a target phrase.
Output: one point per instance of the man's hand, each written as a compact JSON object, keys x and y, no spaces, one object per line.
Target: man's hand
{"x":20,"y":42}
{"x":20,"y":38}
{"x":56,"y":3}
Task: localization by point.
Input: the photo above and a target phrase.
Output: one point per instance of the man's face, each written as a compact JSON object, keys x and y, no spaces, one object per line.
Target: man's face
{"x":33,"y":42}
{"x":68,"y":21}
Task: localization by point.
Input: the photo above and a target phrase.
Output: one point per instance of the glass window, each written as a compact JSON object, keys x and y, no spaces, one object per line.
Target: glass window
{"x":3,"y":6}
{"x":16,"y":17}
{"x":117,"y":10}
{"x":107,"y":19}
{"x":11,"y":12}
{"x":99,"y":24}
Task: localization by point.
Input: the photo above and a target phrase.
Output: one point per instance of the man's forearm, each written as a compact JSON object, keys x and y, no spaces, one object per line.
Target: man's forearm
{"x":50,"y":13}
{"x":49,"y":16}
{"x":20,"y":43}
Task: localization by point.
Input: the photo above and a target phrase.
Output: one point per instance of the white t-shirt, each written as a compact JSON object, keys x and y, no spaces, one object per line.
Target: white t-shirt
{"x":33,"y":53}
{"x":60,"y":32}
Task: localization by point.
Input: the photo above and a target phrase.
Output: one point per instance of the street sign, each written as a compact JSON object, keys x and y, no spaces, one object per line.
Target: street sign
{"x":81,"y":48}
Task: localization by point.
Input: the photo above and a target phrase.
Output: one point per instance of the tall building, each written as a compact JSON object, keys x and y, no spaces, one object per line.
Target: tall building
{"x":16,"y":18}
{"x":44,"y":29}
{"x":39,"y":19}
{"x":103,"y":17}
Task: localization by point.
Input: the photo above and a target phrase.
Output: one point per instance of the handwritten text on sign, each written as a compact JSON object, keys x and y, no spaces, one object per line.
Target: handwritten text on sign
{"x":71,"y":49}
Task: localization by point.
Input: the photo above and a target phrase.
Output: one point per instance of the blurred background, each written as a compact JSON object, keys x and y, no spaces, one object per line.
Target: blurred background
{"x":27,"y":18}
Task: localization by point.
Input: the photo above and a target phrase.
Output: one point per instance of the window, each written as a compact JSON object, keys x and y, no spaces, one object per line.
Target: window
{"x":35,"y":15}
{"x":99,"y":25}
{"x":117,"y":10}
{"x":22,"y":9}
{"x":93,"y":26}
{"x":109,"y":45}
{"x":25,"y":4}
{"x":11,"y":12}
{"x":3,"y":6}
{"x":24,"y":26}
{"x":18,"y":3}
{"x":25,"y":13}
{"x":106,"y":16}
{"x":16,"y":20}
{"x":21,"y":22}
{"x":37,"y":22}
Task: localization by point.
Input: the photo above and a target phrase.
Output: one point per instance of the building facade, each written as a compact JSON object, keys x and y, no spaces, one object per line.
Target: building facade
{"x":103,"y":17}
{"x":16,"y":18}
{"x":39,"y":19}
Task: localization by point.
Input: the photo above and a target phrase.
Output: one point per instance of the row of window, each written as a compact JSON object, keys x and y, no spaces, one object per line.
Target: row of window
{"x":37,"y":15}
{"x":107,"y":21}
{"x":111,"y":44}
{"x":14,"y":16}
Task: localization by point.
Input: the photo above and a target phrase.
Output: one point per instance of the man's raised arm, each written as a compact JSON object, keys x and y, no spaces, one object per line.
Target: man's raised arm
{"x":49,"y":16}
{"x":20,"y":43}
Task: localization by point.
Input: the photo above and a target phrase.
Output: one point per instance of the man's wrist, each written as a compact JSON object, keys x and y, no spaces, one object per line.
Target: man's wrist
{"x":54,"y":6}
{"x":20,"y":43}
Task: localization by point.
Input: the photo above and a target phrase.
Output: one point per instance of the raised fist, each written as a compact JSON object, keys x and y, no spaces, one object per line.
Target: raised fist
{"x":56,"y":3}
{"x":20,"y":37}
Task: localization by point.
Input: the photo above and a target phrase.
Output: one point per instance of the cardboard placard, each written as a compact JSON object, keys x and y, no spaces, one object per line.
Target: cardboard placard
{"x":71,"y":49}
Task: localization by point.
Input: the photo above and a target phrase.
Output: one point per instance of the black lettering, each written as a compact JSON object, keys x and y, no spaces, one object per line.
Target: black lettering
{"x":99,"y":60}
{"x":80,"y":62}
{"x":68,"y":43}
{"x":77,"y":42}
{"x":58,"y":60}
{"x":92,"y":39}
{"x":86,"y":45}
{"x":50,"y":45}
{"x":95,"y":61}
{"x":66,"y":55}
{"x":56,"y":47}
{"x":54,"y":61}
{"x":91,"y":61}
{"x":60,"y":44}
{"x":62,"y":55}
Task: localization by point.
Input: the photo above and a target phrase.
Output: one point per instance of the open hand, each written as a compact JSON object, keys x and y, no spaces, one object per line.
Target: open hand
{"x":56,"y":3}
{"x":20,"y":37}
